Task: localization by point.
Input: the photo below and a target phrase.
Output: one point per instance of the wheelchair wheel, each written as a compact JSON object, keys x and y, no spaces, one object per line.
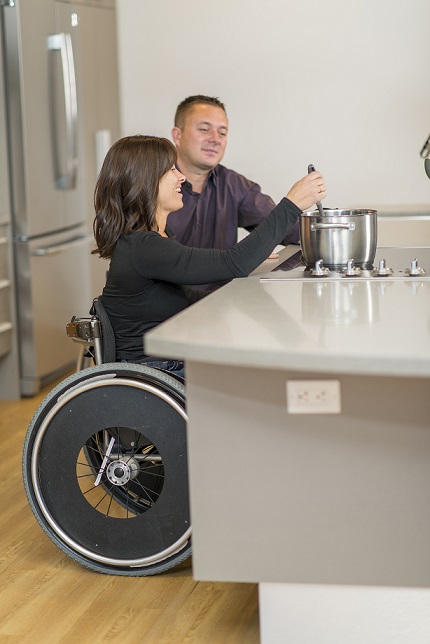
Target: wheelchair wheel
{"x":105,"y":469}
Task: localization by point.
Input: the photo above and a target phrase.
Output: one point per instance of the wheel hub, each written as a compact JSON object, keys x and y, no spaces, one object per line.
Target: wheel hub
{"x":121,"y":471}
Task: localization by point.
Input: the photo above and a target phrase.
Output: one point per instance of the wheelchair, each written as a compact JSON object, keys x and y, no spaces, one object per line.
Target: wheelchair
{"x":105,"y":460}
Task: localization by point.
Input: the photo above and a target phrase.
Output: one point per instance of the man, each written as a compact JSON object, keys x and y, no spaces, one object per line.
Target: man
{"x":217,"y":200}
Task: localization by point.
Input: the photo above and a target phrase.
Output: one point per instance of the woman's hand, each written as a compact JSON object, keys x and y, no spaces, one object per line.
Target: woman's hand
{"x":308,"y":190}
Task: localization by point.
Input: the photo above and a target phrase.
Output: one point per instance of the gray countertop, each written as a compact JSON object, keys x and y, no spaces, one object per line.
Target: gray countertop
{"x":361,"y":327}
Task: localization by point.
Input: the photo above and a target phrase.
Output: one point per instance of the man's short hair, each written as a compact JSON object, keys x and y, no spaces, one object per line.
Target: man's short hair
{"x":185,"y":105}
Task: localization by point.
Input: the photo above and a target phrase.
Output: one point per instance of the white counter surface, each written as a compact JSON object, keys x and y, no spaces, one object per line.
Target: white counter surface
{"x":351,"y":327}
{"x":328,"y":507}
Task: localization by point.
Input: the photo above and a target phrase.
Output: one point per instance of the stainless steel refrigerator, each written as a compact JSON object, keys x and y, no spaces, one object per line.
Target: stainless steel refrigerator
{"x":51,"y":181}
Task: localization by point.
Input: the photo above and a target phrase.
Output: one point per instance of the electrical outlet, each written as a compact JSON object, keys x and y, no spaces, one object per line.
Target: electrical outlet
{"x":313,"y":397}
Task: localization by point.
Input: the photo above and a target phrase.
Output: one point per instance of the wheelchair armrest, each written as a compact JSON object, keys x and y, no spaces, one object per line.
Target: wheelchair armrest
{"x":86,"y":331}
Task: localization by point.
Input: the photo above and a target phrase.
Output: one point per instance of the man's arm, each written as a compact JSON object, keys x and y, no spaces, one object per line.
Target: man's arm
{"x":254,"y":208}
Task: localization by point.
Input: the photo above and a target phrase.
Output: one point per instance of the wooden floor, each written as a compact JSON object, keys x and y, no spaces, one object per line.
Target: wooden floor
{"x":46,"y":597}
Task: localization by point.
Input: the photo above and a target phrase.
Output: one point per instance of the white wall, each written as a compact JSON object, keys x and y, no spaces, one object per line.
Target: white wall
{"x":341,"y":84}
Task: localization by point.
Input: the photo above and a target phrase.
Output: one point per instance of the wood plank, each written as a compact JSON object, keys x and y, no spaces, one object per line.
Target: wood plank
{"x":47,"y":597}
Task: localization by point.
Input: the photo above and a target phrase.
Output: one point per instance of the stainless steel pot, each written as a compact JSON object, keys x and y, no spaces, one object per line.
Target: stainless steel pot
{"x":339,"y":235}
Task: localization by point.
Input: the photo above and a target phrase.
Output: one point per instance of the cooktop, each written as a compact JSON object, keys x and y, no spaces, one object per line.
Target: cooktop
{"x":390,"y":263}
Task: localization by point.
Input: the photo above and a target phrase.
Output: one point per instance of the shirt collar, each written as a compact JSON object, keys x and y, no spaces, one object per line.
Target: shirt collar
{"x":212,"y":176}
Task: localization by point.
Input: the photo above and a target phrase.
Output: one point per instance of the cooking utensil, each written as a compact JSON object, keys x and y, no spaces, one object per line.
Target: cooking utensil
{"x":311,"y":168}
{"x":339,"y":236}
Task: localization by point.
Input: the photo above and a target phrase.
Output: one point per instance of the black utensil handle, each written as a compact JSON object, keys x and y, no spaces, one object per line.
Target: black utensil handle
{"x":311,"y":168}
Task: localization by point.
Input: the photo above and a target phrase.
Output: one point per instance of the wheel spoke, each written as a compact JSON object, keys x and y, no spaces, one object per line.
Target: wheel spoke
{"x":131,"y":483}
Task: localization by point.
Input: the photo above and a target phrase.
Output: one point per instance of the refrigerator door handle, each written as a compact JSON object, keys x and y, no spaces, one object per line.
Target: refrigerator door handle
{"x":65,"y":179}
{"x":60,"y":248}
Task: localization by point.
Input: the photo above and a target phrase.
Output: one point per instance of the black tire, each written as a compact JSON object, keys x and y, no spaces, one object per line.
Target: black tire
{"x":92,"y":451}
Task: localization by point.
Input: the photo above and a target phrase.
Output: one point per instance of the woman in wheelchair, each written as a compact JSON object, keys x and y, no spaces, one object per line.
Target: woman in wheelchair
{"x":147,"y":282}
{"x":105,"y":455}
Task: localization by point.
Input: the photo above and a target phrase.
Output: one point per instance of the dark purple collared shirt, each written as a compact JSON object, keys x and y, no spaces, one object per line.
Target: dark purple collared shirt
{"x":229,"y":201}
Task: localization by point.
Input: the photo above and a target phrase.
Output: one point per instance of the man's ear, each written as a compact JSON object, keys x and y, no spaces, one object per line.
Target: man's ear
{"x":176,"y":135}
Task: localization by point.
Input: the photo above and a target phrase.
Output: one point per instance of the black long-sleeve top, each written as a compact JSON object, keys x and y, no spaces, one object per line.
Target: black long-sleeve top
{"x":148,"y":272}
{"x":211,"y":218}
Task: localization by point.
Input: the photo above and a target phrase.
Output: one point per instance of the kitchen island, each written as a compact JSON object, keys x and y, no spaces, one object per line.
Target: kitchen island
{"x":309,"y":450}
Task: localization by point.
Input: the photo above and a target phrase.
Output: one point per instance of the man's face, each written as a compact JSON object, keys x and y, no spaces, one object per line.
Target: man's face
{"x":202,"y":139}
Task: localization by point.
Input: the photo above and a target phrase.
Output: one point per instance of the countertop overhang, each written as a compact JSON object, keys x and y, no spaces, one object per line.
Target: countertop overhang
{"x":365,"y":328}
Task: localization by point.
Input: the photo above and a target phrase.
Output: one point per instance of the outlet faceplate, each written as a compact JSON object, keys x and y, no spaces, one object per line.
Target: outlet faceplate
{"x":313,"y":397}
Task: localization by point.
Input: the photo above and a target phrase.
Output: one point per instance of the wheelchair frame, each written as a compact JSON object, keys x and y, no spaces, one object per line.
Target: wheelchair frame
{"x":105,"y":462}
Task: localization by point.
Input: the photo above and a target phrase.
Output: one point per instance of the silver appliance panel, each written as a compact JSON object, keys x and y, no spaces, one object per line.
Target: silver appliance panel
{"x":43,"y":87}
{"x":52,"y":285}
{"x":60,"y":89}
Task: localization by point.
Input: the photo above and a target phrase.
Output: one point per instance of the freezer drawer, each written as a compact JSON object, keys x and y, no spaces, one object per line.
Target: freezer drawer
{"x":4,"y":301}
{"x":53,"y":285}
{"x":5,"y":318}
{"x":4,"y":273}
{"x":5,"y":295}
{"x":5,"y":338}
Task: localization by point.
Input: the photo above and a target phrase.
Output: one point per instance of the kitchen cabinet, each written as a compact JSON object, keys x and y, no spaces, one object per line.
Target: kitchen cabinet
{"x":9,"y":379}
{"x":311,"y":500}
{"x":109,"y":4}
{"x":407,"y":227}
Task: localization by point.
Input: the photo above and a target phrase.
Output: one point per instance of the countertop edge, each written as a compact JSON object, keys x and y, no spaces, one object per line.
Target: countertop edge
{"x":352,"y":365}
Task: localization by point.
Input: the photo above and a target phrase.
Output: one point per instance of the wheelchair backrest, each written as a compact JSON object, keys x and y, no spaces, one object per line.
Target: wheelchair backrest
{"x":108,"y":337}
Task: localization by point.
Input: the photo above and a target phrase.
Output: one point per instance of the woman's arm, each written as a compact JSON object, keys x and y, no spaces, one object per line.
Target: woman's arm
{"x":166,"y":259}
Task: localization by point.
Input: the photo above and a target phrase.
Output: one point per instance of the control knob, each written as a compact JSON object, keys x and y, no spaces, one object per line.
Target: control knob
{"x":319,"y":270}
{"x":414,"y":270}
{"x":382,"y":270}
{"x":351,"y":270}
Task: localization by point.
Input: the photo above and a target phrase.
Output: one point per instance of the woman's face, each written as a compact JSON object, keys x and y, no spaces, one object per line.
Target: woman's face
{"x":169,"y":192}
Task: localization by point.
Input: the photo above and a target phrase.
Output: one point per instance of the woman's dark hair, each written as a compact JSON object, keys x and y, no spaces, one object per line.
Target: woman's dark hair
{"x":126,"y":193}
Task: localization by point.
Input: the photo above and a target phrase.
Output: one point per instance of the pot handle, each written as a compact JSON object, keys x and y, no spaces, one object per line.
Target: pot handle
{"x":350,"y":226}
